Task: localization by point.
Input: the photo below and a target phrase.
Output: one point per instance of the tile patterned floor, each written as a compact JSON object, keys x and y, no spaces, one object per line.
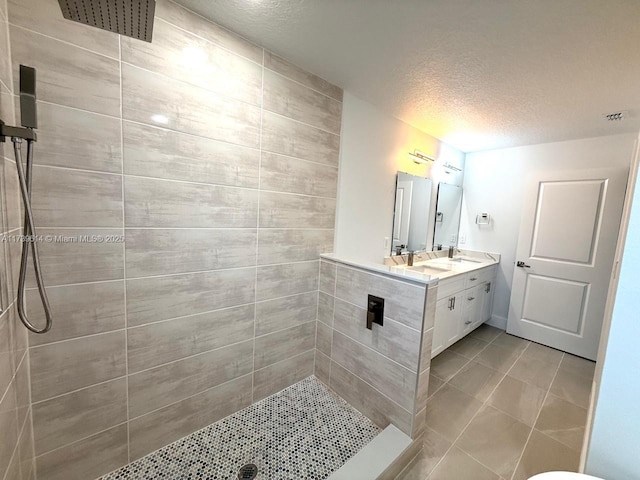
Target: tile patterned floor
{"x":502,"y":408}
{"x":302,"y":432}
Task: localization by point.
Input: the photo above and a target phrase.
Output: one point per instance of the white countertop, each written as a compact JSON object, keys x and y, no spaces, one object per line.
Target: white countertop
{"x":426,"y":271}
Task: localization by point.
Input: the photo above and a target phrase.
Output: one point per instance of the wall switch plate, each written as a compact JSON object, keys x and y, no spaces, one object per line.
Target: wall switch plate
{"x":463,"y":239}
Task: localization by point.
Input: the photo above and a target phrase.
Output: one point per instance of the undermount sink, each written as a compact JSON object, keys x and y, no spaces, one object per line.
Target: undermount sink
{"x":455,"y":260}
{"x":430,"y":269}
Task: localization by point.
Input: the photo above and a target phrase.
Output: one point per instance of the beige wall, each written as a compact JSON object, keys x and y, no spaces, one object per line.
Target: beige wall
{"x":225,"y":203}
{"x":16,"y":439}
{"x":383,"y":372}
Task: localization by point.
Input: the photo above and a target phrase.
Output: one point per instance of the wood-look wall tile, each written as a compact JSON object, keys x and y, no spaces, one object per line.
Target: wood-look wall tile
{"x":404,"y":302}
{"x":156,"y":429}
{"x":167,"y":341}
{"x":425,"y":350}
{"x":362,"y":396}
{"x":280,"y":65}
{"x":393,"y":340}
{"x":161,"y":153}
{"x":286,"y":312}
{"x":166,"y":251}
{"x":23,"y":389}
{"x":164,"y":203}
{"x":67,"y":75}
{"x":286,"y":279}
{"x":322,"y":369}
{"x":68,"y":137}
{"x":274,"y":378}
{"x":293,"y":100}
{"x":395,"y":381}
{"x":191,"y":22}
{"x":6,"y":78}
{"x":65,"y":262}
{"x":79,"y":310}
{"x":183,"y":56}
{"x":8,"y":427}
{"x":278,"y":346}
{"x":187,"y":108}
{"x":73,"y":198}
{"x":62,"y":367}
{"x":170,"y":383}
{"x":327,"y":277}
{"x":285,"y":210}
{"x":288,"y":137}
{"x":72,"y":417}
{"x":422,"y":392}
{"x":324,"y":338}
{"x":287,"y":174}
{"x":7,"y":367}
{"x":325,"y":308}
{"x":45,"y":16}
{"x":13,"y":211}
{"x":88,"y":458}
{"x":293,"y":245}
{"x":13,"y":470}
{"x":160,"y":298}
{"x":27,"y":455}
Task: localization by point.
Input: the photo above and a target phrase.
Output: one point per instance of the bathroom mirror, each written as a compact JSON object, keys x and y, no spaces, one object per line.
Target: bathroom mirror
{"x":448,"y":208}
{"x":411,"y":212}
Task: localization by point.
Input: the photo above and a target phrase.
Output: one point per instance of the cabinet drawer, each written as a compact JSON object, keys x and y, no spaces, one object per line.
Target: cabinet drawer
{"x":451,"y":286}
{"x":478,"y":276}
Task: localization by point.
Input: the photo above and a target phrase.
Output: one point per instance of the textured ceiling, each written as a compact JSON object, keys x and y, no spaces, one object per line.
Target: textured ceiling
{"x":478,"y":74}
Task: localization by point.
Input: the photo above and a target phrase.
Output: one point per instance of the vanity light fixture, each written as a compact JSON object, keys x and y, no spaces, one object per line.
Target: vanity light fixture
{"x":420,"y":157}
{"x":450,"y":168}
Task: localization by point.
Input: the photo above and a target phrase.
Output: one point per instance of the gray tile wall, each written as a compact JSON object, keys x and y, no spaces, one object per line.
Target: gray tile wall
{"x":383,"y":372}
{"x":16,"y":435}
{"x":218,"y":162}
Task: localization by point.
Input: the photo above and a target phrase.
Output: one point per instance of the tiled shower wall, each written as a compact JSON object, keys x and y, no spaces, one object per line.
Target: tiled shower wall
{"x":383,"y":372}
{"x":218,"y":162}
{"x":16,"y":439}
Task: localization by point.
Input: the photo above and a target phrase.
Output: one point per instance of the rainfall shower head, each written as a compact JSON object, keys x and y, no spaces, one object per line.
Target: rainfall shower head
{"x":133,"y":18}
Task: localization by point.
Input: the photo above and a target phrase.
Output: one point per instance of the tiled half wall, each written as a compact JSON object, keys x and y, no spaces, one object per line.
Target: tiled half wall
{"x":383,"y":372}
{"x":218,"y":162}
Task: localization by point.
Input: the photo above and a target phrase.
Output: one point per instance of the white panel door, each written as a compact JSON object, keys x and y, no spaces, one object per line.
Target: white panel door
{"x":568,"y":233}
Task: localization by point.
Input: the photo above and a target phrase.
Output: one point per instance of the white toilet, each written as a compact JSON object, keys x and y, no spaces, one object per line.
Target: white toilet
{"x":563,"y":476}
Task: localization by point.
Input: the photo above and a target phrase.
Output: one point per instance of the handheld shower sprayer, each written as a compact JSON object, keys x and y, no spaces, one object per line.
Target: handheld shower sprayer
{"x":18,"y":135}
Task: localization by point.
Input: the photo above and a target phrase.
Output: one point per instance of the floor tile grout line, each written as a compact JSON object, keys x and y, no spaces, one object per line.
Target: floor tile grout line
{"x":453,"y":444}
{"x":472,"y":359}
{"x":537,"y":417}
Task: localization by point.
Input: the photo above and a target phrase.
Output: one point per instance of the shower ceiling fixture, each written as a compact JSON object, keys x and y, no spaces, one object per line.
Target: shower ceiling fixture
{"x":133,"y":18}
{"x":420,"y":157}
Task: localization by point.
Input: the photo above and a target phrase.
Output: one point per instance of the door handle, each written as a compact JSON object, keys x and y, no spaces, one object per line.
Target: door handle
{"x":468,"y":322}
{"x":522,"y":264}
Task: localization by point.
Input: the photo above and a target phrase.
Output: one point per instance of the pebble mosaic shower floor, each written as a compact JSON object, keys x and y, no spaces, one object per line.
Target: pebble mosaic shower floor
{"x":303,"y":432}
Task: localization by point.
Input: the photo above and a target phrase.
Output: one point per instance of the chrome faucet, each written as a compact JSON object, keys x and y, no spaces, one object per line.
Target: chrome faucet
{"x":452,"y":250}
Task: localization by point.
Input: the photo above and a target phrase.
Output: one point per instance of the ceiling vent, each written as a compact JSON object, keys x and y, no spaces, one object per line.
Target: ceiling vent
{"x":616,"y":116}
{"x":133,"y":18}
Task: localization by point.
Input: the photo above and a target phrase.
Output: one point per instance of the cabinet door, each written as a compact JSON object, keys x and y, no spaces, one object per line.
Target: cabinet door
{"x":455,"y":320}
{"x":445,"y":323}
{"x":487,"y":301}
{"x":440,"y":327}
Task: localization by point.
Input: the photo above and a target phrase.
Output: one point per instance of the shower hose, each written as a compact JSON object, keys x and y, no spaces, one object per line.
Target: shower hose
{"x":29,"y":238}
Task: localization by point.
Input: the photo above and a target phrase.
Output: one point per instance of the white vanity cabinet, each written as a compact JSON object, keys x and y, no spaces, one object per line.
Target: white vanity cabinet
{"x":464,"y":303}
